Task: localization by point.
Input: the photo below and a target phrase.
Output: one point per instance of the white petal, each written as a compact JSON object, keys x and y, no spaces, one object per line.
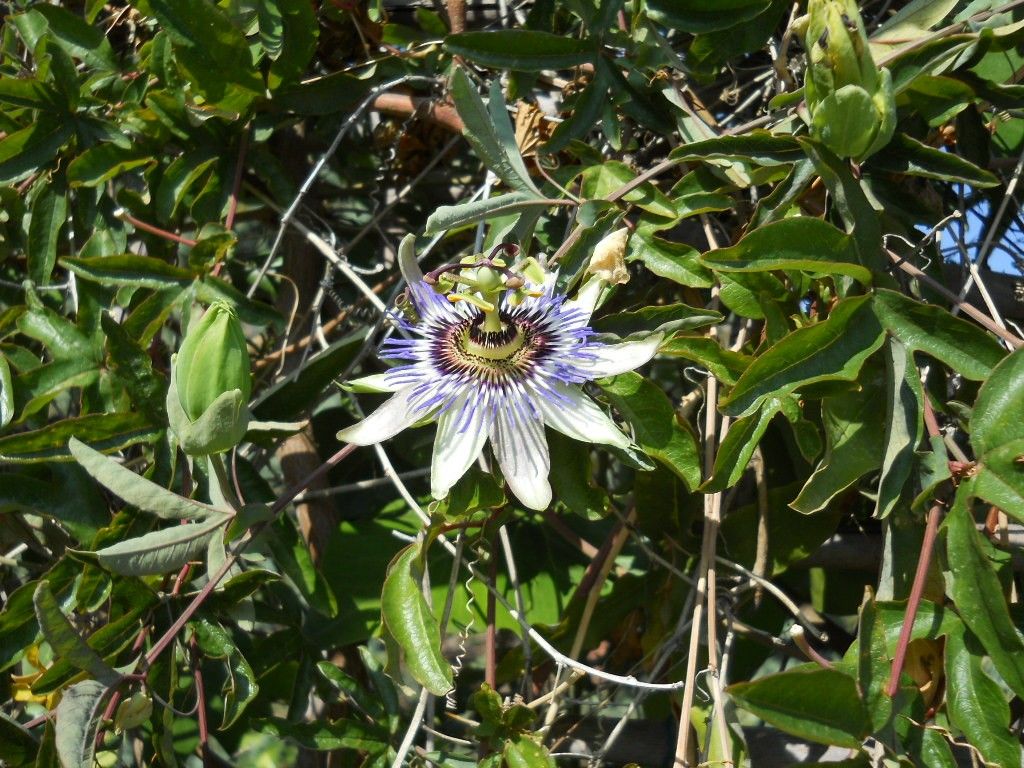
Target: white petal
{"x":460,"y":438}
{"x":586,"y":297}
{"x":387,"y":421}
{"x":579,"y":417}
{"x":407,"y":260}
{"x":613,"y":359}
{"x":522,"y":454}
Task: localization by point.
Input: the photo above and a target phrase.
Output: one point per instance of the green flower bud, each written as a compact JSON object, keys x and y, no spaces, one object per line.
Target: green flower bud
{"x":849,"y":100}
{"x":207,"y":402}
{"x":213,"y":360}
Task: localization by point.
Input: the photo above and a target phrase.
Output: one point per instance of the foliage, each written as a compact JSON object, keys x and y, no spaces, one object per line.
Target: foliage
{"x":820,"y":383}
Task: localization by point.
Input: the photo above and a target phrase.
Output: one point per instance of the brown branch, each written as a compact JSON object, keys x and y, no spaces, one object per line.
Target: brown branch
{"x":404,"y":105}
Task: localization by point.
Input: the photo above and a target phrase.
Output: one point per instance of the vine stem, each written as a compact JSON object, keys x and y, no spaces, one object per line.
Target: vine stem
{"x":282,"y":501}
{"x":924,"y":560}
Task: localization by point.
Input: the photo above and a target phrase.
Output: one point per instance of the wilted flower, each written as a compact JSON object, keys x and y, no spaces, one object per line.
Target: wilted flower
{"x":490,"y":363}
{"x":609,"y":260}
{"x":210,"y":384}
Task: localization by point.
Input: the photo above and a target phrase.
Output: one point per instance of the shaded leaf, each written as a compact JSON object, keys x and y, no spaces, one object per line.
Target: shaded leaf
{"x":523,"y":49}
{"x":137,"y":490}
{"x":78,"y":719}
{"x":656,"y":428}
{"x":105,"y":431}
{"x":160,"y":551}
{"x":67,"y":644}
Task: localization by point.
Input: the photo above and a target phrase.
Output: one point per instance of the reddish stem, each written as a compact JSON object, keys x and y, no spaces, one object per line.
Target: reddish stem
{"x":243,"y":147}
{"x":920,"y":576}
{"x":139,"y":224}
{"x":168,"y":637}
{"x":197,"y":676}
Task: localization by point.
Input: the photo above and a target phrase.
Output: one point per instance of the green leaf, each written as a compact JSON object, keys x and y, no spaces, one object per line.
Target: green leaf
{"x":571,"y":478}
{"x":78,"y":719}
{"x":997,"y":436}
{"x":810,"y":702}
{"x":178,"y":178}
{"x":803,"y":243}
{"x":77,"y":38}
{"x":160,"y":551}
{"x":129,"y":269}
{"x":240,"y":688}
{"x":49,"y":212}
{"x":99,"y":164}
{"x":295,"y":561}
{"x":937,"y":100}
{"x":758,"y":147}
{"x":328,"y":735}
{"x":209,"y":48}
{"x":451,"y":216}
{"x":521,"y":49}
{"x":738,"y":446}
{"x":961,"y":345}
{"x":906,"y":155}
{"x":288,"y":31}
{"x":663,"y":319}
{"x":699,"y":16}
{"x":6,"y":392}
{"x":61,"y":337}
{"x":656,"y":427}
{"x":487,"y":129}
{"x":904,"y":427}
{"x":137,"y":490}
{"x":299,"y":390}
{"x":131,"y":364}
{"x":854,"y":435}
{"x":979,"y":597}
{"x":17,"y":745}
{"x":587,"y":110}
{"x":674,"y":261}
{"x":105,"y":431}
{"x":602,"y":180}
{"x":412,"y":624}
{"x":67,"y":644}
{"x":82,"y":510}
{"x":724,"y":364}
{"x":25,"y":152}
{"x":834,"y":349}
{"x":859,"y":217}
{"x":106,"y":641}
{"x":523,"y":752}
{"x":42,"y":384}
{"x":975,"y":702}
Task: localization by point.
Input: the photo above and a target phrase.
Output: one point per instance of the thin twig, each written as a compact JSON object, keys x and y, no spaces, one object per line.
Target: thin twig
{"x":966,"y":308}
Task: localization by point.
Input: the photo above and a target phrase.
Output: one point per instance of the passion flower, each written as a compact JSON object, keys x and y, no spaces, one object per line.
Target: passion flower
{"x":496,"y":362}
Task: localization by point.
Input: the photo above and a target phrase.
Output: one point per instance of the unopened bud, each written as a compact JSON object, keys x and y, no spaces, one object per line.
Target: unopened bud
{"x":213,"y":360}
{"x":207,"y":402}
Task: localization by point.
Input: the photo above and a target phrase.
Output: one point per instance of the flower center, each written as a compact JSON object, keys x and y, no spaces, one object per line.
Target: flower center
{"x":490,"y":355}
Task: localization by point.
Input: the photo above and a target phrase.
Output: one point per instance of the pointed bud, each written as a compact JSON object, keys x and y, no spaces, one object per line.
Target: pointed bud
{"x":213,"y":359}
{"x":207,"y":401}
{"x":609,"y":260}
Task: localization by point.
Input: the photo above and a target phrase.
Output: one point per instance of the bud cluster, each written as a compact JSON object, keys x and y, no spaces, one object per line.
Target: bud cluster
{"x":850,"y":101}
